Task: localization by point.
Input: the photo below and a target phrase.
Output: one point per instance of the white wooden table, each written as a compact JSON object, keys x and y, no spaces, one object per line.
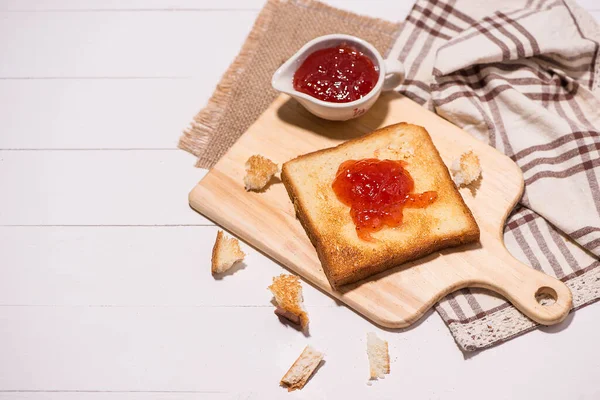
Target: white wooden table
{"x":105,"y":289}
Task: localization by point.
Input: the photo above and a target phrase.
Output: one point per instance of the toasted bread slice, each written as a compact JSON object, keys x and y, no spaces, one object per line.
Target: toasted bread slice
{"x":379,"y":357}
{"x":226,"y":252}
{"x":259,"y":171}
{"x":288,"y":295}
{"x":302,"y":369}
{"x":466,"y":169}
{"x":345,"y":257}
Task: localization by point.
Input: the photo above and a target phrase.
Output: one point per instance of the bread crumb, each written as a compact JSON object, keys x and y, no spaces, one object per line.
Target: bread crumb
{"x":226,"y":252}
{"x":302,"y":369}
{"x":466,"y":169}
{"x":379,"y":357}
{"x":288,"y":295}
{"x":259,"y":171}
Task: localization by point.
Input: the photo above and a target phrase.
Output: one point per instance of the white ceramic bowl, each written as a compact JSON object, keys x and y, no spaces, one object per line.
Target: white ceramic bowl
{"x":391,"y":74}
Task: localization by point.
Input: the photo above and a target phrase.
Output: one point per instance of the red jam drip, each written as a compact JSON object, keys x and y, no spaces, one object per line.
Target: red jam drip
{"x":377,"y":191}
{"x":338,"y":74}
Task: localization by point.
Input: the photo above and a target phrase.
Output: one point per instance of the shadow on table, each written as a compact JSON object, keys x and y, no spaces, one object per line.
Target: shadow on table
{"x":294,"y":113}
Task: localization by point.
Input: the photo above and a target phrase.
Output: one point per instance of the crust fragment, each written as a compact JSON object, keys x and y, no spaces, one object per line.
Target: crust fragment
{"x":379,"y":357}
{"x":466,"y":169}
{"x":287,"y":291}
{"x":259,"y":171}
{"x":226,"y":252}
{"x":302,"y":369}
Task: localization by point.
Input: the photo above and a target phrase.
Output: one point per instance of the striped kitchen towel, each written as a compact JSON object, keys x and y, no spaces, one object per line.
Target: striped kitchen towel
{"x":521,"y":75}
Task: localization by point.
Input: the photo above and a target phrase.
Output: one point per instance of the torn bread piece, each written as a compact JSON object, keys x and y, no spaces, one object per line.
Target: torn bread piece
{"x":302,"y":369}
{"x":379,"y":357}
{"x":259,"y":171}
{"x":466,"y":169}
{"x":288,"y":295}
{"x":226,"y":252}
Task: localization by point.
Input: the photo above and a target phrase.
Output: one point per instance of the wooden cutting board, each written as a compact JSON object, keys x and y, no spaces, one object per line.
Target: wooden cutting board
{"x":399,"y":297}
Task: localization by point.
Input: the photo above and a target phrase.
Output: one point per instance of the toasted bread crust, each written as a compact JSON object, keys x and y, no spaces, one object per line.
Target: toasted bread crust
{"x":214,"y":261}
{"x":302,"y":215}
{"x":466,"y":169}
{"x":218,"y":265}
{"x":259,"y":171}
{"x":287,"y":291}
{"x":335,"y":261}
{"x":302,"y":369}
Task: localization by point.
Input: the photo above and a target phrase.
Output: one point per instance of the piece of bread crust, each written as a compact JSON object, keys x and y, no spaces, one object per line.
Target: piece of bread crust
{"x":379,"y":357}
{"x":299,"y":373}
{"x":226,"y":252}
{"x":344,"y":256}
{"x":466,"y":169}
{"x":287,"y":291}
{"x":259,"y":171}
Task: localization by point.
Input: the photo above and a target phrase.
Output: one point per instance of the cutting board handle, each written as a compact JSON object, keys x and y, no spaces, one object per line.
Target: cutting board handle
{"x":544,"y":299}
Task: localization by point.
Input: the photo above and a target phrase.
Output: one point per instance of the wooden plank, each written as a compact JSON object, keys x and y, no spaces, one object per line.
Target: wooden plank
{"x":91,"y":45}
{"x":383,"y":8}
{"x":97,"y":188}
{"x":98,"y":113}
{"x":125,"y":395}
{"x":248,"y":350}
{"x":165,"y":349}
{"x":130,"y":5}
{"x":131,"y":266}
{"x":397,"y":297}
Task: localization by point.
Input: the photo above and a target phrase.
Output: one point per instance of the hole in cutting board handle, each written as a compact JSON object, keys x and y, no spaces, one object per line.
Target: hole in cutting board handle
{"x":546,"y":296}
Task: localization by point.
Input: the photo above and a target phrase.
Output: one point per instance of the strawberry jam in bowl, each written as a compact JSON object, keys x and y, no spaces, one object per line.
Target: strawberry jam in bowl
{"x":337,"y":77}
{"x":338,"y":74}
{"x":377,"y":191}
